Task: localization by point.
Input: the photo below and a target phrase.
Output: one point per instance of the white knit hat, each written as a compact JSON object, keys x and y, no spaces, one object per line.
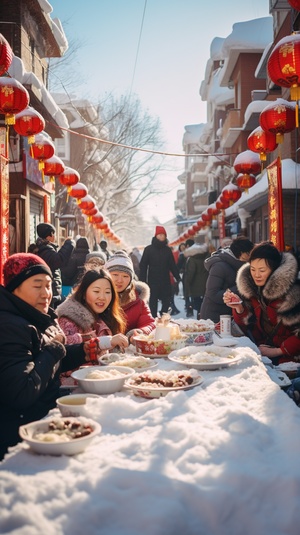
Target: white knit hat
{"x":120,"y":261}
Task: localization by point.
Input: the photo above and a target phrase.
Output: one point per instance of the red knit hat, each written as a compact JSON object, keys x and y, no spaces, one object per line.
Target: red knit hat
{"x":20,"y":266}
{"x":160,"y":230}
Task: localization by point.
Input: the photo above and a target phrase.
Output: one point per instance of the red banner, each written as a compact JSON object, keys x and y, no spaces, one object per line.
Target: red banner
{"x":4,"y":200}
{"x":276,"y":233}
{"x":221,"y":225}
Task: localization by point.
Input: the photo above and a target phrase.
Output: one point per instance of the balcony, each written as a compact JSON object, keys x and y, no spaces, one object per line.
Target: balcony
{"x":231,"y":128}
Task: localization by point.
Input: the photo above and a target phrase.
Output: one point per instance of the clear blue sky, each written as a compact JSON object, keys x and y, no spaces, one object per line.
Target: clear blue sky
{"x":174,"y":49}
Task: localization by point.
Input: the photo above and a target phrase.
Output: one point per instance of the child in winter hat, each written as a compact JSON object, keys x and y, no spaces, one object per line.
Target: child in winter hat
{"x":120,"y":261}
{"x":21,"y":266}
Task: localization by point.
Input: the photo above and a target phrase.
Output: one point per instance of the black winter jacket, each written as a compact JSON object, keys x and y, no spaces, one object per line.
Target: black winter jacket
{"x":222,"y":267}
{"x":55,"y":259}
{"x":72,"y":271}
{"x":30,"y":364}
{"x":156,"y":264}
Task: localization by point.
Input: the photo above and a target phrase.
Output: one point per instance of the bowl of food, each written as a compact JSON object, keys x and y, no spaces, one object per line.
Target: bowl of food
{"x":102,"y":379}
{"x":60,"y":436}
{"x":198,"y":332}
{"x":136,"y":362}
{"x":75,"y":404}
{"x":149,"y":346}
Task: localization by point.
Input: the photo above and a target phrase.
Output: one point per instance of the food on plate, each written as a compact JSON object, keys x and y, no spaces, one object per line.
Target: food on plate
{"x":192,"y":326}
{"x":211,"y":354}
{"x":137,"y":363}
{"x":165,"y":379}
{"x":63,"y":431}
{"x":109,"y":374}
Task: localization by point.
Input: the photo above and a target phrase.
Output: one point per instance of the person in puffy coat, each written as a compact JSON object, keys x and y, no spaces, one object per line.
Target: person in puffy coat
{"x":55,"y":258}
{"x":155,"y":266}
{"x":195,"y":274}
{"x":270,"y":309}
{"x":133,"y":295}
{"x":32,"y":346}
{"x":222,"y":267}
{"x":73,"y":270}
{"x":92,"y":314}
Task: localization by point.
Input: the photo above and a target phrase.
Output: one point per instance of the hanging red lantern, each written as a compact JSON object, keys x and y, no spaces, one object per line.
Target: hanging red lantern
{"x":191,"y":232}
{"x":245,"y":181}
{"x":69,"y":178}
{"x":90,"y":212}
{"x":13,"y":98}
{"x":29,"y":122}
{"x":6,"y":55}
{"x":206,"y":217}
{"x":295,"y":4}
{"x":222,"y":203}
{"x":78,"y":191}
{"x":262,"y":141}
{"x":42,"y":149}
{"x":97,"y":217}
{"x":53,"y":167}
{"x":230,"y":193}
{"x":212,"y":210}
{"x":247,"y":162}
{"x":284,"y":66}
{"x":87,"y":203}
{"x":278,"y":118}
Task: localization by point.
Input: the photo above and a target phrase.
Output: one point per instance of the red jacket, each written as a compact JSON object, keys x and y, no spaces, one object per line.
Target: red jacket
{"x":137,"y":311}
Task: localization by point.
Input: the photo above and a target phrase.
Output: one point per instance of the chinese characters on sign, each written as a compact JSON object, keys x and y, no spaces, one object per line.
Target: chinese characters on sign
{"x":275,"y":204}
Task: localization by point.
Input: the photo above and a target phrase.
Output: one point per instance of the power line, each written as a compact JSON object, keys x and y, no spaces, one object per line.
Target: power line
{"x":138,"y":46}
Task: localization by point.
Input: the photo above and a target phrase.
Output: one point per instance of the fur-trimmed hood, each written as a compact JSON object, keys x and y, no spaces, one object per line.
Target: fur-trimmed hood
{"x":195,"y":249}
{"x":76,"y":312}
{"x":143,"y":290}
{"x":281,"y":285}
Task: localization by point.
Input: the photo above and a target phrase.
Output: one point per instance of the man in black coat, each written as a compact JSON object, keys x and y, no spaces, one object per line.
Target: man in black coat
{"x":54,"y":257}
{"x":155,"y":266}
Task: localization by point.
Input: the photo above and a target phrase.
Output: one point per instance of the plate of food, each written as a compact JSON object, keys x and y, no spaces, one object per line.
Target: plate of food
{"x":195,"y":326}
{"x":206,"y":358}
{"x":148,"y":346}
{"x":155,"y":384}
{"x":136,"y":362}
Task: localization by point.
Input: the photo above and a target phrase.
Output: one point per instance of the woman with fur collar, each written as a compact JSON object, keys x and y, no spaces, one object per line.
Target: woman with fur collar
{"x":133,"y":295}
{"x":92,"y":313}
{"x":270,"y":310}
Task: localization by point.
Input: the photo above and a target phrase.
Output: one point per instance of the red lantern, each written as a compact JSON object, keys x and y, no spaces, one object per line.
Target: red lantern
{"x":53,"y":167}
{"x":42,"y":149}
{"x":245,"y":181}
{"x":28,"y":123}
{"x":262,"y":141}
{"x":78,"y":191}
{"x":90,"y":212}
{"x":284,"y":64}
{"x":222,"y":203}
{"x":13,"y":98}
{"x":295,"y":4}
{"x":97,"y":218}
{"x":212,"y":210}
{"x":247,"y":162}
{"x":278,"y":118}
{"x":6,"y":55}
{"x":206,"y":217}
{"x":230,"y":193}
{"x":69,"y":178}
{"x":191,"y":232}
{"x":87,"y":203}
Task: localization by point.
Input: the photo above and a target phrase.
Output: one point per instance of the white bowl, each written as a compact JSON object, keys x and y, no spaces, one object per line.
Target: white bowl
{"x":74,"y":404}
{"x":72,"y":447}
{"x":102,"y":386}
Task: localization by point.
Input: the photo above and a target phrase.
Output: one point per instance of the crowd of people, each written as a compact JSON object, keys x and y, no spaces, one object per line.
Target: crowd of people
{"x":64,"y":307}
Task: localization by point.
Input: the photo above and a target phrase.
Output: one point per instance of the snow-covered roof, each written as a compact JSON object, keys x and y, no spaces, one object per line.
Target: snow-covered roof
{"x":192,"y":133}
{"x":252,"y":36}
{"x":256,"y":106}
{"x":17,"y":71}
{"x":55,"y":25}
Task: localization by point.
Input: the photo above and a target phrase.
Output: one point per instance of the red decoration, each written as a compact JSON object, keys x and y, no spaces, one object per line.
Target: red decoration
{"x":212,"y":210}
{"x":284,"y":64}
{"x":28,"y":123}
{"x":247,"y":162}
{"x":13,"y":98}
{"x":91,"y":211}
{"x":245,"y":181}
{"x":69,"y":178}
{"x":97,"y":218}
{"x":78,"y":191}
{"x":206,"y":217}
{"x":86,"y":203}
{"x":6,"y":55}
{"x":295,"y":4}
{"x":53,"y":166}
{"x":262,"y":141}
{"x":278,"y":118}
{"x":42,"y":149}
{"x":230,"y":193}
{"x":222,"y":203}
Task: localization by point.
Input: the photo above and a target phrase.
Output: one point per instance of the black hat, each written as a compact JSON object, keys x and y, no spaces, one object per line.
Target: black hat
{"x":45,"y":229}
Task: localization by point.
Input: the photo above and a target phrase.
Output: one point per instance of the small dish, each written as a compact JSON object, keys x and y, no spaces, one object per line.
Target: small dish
{"x":110,"y":378}
{"x":74,"y":404}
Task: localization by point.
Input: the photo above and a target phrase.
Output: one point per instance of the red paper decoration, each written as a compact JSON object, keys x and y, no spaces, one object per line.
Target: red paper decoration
{"x":284,"y":64}
{"x":78,"y":191}
{"x":29,"y":122}
{"x":278,"y":118}
{"x":13,"y":98}
{"x":295,"y":4}
{"x":247,"y":162}
{"x":53,"y":166}
{"x":230,"y":193}
{"x":245,"y":181}
{"x":86,"y":203}
{"x":42,"y":149}
{"x":69,"y":178}
{"x":6,"y":55}
{"x":262,"y":142}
